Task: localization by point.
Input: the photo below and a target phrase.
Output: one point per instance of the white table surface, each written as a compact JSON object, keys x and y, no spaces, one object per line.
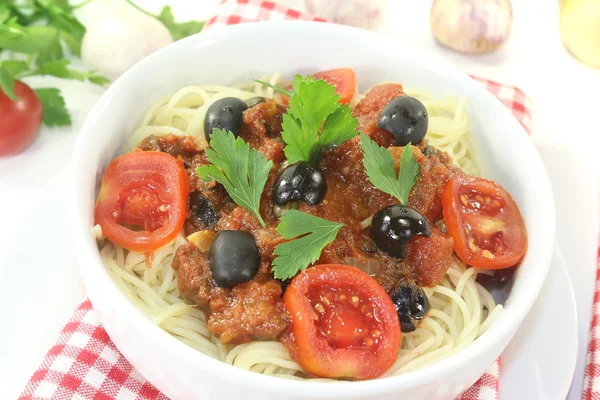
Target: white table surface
{"x":564,"y":93}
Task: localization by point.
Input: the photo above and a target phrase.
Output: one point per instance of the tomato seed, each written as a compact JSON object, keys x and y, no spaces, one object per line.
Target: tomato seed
{"x":355,"y":300}
{"x":472,"y":246}
{"x":369,"y":342}
{"x":325,"y":300}
{"x":342,"y":297}
{"x":463,"y":200}
{"x":486,"y":253}
{"x":376,"y":333}
{"x":320,"y":309}
{"x":487,"y":199}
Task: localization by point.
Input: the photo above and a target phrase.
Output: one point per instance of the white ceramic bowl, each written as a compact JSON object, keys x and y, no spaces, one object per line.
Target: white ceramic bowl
{"x":236,"y":53}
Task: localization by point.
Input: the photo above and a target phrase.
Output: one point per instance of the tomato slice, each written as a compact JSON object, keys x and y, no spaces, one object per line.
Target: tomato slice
{"x":344,"y":80}
{"x":484,"y":221}
{"x":343,"y":323}
{"x":143,"y":200}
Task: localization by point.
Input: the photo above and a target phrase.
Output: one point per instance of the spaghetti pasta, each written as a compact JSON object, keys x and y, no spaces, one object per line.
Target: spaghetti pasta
{"x":461,"y":309}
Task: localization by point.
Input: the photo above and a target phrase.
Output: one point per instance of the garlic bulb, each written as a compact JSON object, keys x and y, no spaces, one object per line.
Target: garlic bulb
{"x":471,"y":26}
{"x":117,"y":41}
{"x":367,"y":14}
{"x":580,"y":29}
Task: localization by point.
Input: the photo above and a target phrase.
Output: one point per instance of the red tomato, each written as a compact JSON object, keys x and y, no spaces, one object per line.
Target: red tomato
{"x":143,"y":200}
{"x":484,"y":221}
{"x":343,"y":323}
{"x":19,"y":120}
{"x":344,"y":80}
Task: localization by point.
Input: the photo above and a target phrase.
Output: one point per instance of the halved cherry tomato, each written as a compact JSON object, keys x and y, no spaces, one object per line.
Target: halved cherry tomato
{"x":343,"y":323}
{"x":143,"y":200}
{"x":484,"y":221}
{"x":344,"y":80}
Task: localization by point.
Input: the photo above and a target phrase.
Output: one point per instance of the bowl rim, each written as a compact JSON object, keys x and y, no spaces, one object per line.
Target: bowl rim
{"x":95,"y":273}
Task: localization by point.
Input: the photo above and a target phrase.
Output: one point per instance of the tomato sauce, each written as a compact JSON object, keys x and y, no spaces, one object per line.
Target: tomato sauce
{"x":254,"y":310}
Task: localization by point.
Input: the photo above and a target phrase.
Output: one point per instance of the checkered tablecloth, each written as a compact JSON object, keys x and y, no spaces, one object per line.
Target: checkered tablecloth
{"x":85,"y":364}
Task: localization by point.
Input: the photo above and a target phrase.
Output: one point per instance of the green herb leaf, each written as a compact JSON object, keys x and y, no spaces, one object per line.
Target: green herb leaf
{"x":315,"y":105}
{"x":7,"y":83}
{"x":55,"y":111}
{"x":241,"y":170}
{"x":28,"y":39}
{"x":379,"y":166}
{"x":296,"y":255}
{"x":60,"y":69}
{"x":15,"y":67}
{"x":178,"y":30}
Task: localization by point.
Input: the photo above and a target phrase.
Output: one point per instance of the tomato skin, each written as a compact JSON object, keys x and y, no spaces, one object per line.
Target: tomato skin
{"x":142,"y":187}
{"x":330,"y":356}
{"x":344,"y":80}
{"x":19,"y":120}
{"x":485,"y":222}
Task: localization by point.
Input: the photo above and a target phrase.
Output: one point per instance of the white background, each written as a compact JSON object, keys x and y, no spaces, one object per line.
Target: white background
{"x":565,"y":96}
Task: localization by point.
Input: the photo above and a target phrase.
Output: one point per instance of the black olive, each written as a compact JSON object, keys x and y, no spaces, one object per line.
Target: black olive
{"x":225,"y":114}
{"x":202,"y":210}
{"x":393,"y":226}
{"x":255,"y":101}
{"x":406,"y":118}
{"x":302,"y":181}
{"x":233,"y":258}
{"x":411,"y":304}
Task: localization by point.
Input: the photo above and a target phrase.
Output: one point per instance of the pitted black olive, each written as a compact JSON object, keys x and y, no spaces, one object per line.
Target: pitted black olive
{"x":302,"y":181}
{"x":393,"y":226}
{"x":233,"y":258}
{"x":406,"y":118}
{"x":225,"y":114}
{"x":255,"y":101}
{"x":411,"y":304}
{"x":202,"y":210}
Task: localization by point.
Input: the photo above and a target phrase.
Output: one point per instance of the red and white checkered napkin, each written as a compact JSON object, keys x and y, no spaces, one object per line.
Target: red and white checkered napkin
{"x":591,"y":382}
{"x":85,"y":364}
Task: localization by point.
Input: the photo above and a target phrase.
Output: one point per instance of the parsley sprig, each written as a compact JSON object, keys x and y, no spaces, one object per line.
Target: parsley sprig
{"x":379,"y":166}
{"x":241,"y":170}
{"x":33,"y":36}
{"x":177,"y":30}
{"x":315,"y":120}
{"x":312,"y":235}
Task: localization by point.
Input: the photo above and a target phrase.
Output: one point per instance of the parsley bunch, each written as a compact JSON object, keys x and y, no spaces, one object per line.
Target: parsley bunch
{"x":34,"y":37}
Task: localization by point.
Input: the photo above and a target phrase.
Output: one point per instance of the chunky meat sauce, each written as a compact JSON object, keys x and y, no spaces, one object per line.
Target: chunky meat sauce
{"x":254,"y":310}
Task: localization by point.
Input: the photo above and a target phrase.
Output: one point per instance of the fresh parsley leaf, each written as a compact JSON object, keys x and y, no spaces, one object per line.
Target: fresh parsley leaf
{"x":379,"y":166}
{"x":27,"y":39}
{"x":178,"y":30}
{"x":241,"y":170}
{"x":296,"y":255}
{"x":314,"y":108}
{"x":7,"y":83}
{"x":338,"y":127}
{"x":60,"y":69}
{"x":53,"y":104}
{"x":15,"y":67}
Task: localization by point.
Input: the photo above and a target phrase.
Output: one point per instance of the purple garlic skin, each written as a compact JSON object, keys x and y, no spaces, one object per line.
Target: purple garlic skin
{"x":471,"y":26}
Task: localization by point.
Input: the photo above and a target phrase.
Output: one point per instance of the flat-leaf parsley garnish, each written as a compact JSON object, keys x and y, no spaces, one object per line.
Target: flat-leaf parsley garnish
{"x":241,"y":170}
{"x":315,"y":120}
{"x":311,"y":234}
{"x":379,"y":166}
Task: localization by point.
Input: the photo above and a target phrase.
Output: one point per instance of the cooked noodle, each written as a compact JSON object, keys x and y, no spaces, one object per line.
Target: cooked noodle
{"x":461,"y":309}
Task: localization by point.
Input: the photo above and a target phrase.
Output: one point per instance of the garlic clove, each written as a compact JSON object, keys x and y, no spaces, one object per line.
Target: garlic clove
{"x":471,"y":26}
{"x":119,"y":40}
